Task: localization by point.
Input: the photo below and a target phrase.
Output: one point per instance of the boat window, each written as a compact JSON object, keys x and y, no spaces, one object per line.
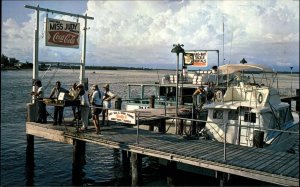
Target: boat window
{"x":250,"y":117}
{"x":218,"y":114}
{"x":233,"y":115}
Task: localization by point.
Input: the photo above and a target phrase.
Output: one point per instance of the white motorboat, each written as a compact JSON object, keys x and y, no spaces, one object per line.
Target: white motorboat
{"x":248,"y":104}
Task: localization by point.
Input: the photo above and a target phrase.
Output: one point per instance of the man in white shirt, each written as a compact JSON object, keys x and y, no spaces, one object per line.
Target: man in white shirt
{"x":84,"y":105}
{"x":108,"y":96}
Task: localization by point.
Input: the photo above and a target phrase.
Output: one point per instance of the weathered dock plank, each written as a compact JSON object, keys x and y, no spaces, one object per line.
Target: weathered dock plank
{"x":175,"y":148}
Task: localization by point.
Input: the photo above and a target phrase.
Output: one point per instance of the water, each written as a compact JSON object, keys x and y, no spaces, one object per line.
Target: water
{"x":53,"y":161}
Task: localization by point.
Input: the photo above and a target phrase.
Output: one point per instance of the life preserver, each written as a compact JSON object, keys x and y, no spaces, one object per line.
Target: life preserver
{"x":219,"y":95}
{"x":260,"y":98}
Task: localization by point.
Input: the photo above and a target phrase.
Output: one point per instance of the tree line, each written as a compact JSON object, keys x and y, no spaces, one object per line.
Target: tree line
{"x":7,"y":62}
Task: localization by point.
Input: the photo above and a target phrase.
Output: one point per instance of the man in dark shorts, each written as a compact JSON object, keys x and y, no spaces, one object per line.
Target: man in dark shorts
{"x":97,"y":105}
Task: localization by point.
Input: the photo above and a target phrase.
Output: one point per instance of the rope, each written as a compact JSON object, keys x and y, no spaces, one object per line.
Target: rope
{"x":51,"y":78}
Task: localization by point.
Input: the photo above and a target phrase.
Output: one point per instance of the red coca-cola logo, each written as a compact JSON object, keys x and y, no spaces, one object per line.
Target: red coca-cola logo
{"x":63,"y":38}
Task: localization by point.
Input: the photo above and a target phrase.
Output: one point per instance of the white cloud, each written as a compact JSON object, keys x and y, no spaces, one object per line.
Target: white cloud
{"x":131,"y":33}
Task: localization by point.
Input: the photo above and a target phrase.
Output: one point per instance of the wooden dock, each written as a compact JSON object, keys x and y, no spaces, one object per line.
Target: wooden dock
{"x":260,"y":164}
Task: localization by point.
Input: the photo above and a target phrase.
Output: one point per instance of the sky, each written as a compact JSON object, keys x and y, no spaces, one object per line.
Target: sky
{"x":142,"y":33}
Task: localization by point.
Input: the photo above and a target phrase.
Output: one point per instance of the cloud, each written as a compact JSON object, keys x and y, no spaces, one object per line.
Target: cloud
{"x":141,"y":33}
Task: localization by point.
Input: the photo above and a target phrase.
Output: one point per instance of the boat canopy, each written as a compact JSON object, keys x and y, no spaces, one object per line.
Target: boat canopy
{"x":232,"y":68}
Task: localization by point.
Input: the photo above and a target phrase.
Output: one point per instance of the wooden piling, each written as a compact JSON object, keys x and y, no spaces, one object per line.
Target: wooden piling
{"x":223,"y":177}
{"x":151,"y":101}
{"x":258,"y":138}
{"x":126,"y":166}
{"x":171,"y":173}
{"x":32,"y":112}
{"x":118,"y":103}
{"x":126,"y":160}
{"x":162,"y":126}
{"x":298,"y":100}
{"x":136,"y":169}
{"x":151,"y":105}
{"x":30,"y":150}
{"x":77,"y":175}
{"x":78,"y":152}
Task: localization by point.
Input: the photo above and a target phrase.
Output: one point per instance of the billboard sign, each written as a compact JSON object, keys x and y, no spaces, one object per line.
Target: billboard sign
{"x":61,"y":33}
{"x":123,"y":117}
{"x":196,"y":58}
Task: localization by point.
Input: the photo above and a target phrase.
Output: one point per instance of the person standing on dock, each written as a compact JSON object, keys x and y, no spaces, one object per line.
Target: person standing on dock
{"x":73,"y":93}
{"x":84,"y":105}
{"x":202,"y":94}
{"x":108,"y":96}
{"x":41,"y":105}
{"x":58,"y":110}
{"x":97,"y":104}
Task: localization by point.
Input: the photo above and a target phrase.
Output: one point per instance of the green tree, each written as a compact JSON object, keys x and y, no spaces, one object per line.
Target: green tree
{"x":4,"y":60}
{"x":13,"y":61}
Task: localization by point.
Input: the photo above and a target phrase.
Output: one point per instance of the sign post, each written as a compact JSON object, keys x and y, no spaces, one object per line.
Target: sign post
{"x":61,"y":34}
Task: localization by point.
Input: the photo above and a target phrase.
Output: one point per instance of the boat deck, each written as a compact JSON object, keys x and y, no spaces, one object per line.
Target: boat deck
{"x":260,"y":164}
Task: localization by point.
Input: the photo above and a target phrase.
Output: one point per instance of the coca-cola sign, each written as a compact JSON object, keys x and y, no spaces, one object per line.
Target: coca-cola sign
{"x":61,"y":33}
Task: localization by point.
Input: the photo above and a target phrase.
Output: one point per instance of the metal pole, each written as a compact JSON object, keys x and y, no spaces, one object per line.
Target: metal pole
{"x":137,"y":129}
{"x":291,"y":81}
{"x":83,"y":57}
{"x":218,"y":67}
{"x":225,"y":141}
{"x":35,"y":58}
{"x":176,"y":112}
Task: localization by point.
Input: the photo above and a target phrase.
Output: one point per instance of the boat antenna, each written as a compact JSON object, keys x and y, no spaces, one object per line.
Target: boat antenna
{"x":223,"y":41}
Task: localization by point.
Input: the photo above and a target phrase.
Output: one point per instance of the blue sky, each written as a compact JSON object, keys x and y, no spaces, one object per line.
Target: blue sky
{"x":142,"y":33}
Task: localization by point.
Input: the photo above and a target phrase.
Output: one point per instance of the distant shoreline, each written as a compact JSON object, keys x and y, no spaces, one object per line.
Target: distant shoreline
{"x":111,"y":68}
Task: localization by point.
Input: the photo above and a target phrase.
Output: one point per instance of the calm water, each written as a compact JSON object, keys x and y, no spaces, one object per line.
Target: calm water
{"x":53,"y":161}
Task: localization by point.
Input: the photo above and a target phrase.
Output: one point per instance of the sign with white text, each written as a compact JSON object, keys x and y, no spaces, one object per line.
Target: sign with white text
{"x":61,"y":33}
{"x":196,"y":58}
{"x":119,"y":116}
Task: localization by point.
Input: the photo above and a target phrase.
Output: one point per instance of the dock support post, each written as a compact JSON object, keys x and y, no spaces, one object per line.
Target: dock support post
{"x":162,"y":125}
{"x":298,"y":101}
{"x":151,"y":105}
{"x":118,"y":103}
{"x":30,"y":160}
{"x":151,"y":101}
{"x":136,"y":169}
{"x":151,"y":127}
{"x":180,"y":127}
{"x":126,"y":160}
{"x":258,"y":138}
{"x":224,"y":178}
{"x":32,"y":112}
{"x":78,"y":152}
{"x":171,"y":173}
{"x":126,"y":166}
{"x":30,"y":149}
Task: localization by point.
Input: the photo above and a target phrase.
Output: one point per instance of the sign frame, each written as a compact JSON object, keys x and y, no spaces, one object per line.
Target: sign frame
{"x":61,"y":33}
{"x":121,"y":116}
{"x":196,"y":58}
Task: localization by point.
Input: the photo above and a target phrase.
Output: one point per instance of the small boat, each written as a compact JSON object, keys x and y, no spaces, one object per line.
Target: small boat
{"x":247,"y":105}
{"x":244,"y":104}
{"x":165,"y":90}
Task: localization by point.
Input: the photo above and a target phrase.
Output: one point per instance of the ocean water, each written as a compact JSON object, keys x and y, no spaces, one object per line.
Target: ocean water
{"x":53,"y":161}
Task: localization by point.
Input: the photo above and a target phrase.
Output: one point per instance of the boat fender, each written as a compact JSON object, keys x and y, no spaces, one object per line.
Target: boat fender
{"x":260,"y":98}
{"x":219,"y":95}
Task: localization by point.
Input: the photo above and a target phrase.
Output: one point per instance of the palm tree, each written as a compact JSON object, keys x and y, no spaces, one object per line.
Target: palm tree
{"x":243,"y":61}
